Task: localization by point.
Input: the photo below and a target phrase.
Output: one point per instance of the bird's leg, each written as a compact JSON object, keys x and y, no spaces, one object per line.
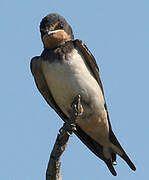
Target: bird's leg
{"x":70,"y":126}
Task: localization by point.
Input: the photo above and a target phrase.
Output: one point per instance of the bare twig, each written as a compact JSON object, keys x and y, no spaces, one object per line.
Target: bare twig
{"x":53,"y":170}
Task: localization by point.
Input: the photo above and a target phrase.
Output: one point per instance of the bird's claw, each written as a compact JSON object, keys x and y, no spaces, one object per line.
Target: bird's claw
{"x":68,"y":128}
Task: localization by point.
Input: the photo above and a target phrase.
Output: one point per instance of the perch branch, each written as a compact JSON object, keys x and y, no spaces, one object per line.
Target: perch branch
{"x":53,"y":170}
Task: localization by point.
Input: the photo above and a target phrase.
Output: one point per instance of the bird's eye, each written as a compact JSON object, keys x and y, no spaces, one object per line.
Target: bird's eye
{"x":61,"y":26}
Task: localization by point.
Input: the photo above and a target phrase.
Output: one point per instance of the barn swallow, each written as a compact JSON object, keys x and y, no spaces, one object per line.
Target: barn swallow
{"x":65,"y":69}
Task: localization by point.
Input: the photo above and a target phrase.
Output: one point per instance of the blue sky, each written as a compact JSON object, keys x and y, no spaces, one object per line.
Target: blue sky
{"x":117,"y":33}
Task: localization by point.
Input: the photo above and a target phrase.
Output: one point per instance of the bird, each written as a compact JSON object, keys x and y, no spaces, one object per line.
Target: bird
{"x":65,"y":69}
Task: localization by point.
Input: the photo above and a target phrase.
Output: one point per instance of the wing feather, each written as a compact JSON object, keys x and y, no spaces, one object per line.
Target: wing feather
{"x":90,"y":60}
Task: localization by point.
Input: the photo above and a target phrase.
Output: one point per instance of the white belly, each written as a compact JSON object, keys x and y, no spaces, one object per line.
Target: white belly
{"x":67,"y":79}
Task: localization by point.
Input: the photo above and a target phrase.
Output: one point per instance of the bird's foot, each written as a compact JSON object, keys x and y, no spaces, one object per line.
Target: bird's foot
{"x":77,"y":110}
{"x":68,"y":128}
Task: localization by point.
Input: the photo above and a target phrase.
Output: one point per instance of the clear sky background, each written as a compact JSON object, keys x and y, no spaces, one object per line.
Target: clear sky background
{"x":117,"y":33}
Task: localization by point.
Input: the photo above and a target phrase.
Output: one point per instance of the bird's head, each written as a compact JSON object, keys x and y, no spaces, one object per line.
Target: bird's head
{"x":55,"y":31}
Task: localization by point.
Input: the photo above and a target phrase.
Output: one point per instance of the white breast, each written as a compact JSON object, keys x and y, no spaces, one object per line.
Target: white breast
{"x":68,"y":78}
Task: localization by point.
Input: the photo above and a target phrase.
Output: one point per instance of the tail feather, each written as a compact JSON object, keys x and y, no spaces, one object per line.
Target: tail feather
{"x":96,"y":148}
{"x":117,"y":148}
{"x":110,"y":167}
{"x":128,"y":161}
